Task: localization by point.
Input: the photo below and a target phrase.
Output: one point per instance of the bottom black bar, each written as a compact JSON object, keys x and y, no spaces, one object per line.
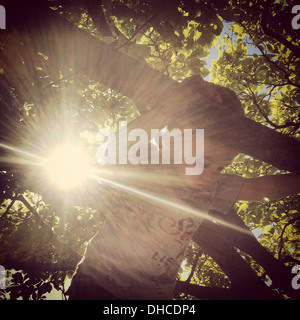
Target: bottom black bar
{"x":139,"y":309}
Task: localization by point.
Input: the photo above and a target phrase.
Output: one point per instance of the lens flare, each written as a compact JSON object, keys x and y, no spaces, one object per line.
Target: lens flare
{"x":67,"y":166}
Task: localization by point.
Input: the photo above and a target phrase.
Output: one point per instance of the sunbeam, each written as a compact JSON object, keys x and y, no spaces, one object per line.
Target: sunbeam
{"x":67,"y":167}
{"x":17,"y":150}
{"x":174,"y":205}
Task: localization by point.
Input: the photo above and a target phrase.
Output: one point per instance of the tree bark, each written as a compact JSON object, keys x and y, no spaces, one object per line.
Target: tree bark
{"x":66,"y":45}
{"x":242,"y":277}
{"x":216,"y":238}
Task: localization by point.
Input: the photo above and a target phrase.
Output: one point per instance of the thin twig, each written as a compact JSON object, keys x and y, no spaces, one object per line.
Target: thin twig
{"x":136,"y":32}
{"x":198,"y":255}
{"x":8,"y":208}
{"x":282,"y":233}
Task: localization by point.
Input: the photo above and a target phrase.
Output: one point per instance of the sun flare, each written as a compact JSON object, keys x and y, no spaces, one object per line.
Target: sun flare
{"x":67,"y":166}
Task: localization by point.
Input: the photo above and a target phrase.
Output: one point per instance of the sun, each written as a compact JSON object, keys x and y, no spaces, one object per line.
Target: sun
{"x":67,"y":167}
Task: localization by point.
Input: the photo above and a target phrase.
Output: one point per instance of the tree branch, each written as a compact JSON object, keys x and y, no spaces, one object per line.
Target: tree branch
{"x":228,"y":238}
{"x":64,"y":247}
{"x":271,"y":123}
{"x":197,"y":256}
{"x":272,"y":34}
{"x":214,"y":293}
{"x":54,"y":36}
{"x":282,"y":233}
{"x":13,"y":200}
{"x":38,"y":266}
{"x":95,"y":10}
{"x":273,"y":63}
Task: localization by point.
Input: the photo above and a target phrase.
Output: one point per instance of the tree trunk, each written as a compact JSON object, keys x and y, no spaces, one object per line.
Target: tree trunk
{"x":66,"y":45}
{"x":214,"y":239}
{"x":280,"y":275}
{"x":45,"y":31}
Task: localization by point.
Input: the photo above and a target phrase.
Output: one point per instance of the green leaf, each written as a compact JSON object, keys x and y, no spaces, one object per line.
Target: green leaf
{"x":18,"y":277}
{"x":44,"y":288}
{"x":243,"y":207}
